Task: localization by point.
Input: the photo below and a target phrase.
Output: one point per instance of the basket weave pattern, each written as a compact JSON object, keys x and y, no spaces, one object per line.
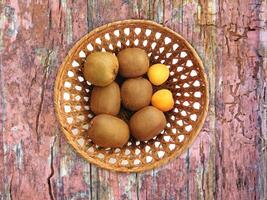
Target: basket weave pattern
{"x":187,"y":82}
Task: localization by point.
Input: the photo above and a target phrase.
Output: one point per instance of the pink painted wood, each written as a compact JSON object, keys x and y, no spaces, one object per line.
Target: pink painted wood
{"x":228,"y":159}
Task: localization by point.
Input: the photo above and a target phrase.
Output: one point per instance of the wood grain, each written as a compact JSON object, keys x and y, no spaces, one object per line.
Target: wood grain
{"x":227,"y":161}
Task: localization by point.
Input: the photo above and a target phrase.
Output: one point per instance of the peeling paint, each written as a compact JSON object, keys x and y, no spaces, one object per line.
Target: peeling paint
{"x":12,"y":20}
{"x":227,"y":161}
{"x":14,"y":129}
{"x":18,"y":149}
{"x":65,"y":166}
{"x":27,"y":21}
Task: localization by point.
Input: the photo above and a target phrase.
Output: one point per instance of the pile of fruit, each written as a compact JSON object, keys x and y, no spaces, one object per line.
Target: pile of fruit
{"x":120,"y":81}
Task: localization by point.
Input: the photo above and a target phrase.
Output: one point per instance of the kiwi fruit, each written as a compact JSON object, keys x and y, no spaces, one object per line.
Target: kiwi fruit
{"x":136,"y":93}
{"x":106,"y":100}
{"x":101,"y":68}
{"x":108,"y":131}
{"x":133,"y":62}
{"x":147,"y":123}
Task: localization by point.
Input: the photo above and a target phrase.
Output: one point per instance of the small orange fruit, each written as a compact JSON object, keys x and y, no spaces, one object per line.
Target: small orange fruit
{"x":158,"y":74}
{"x":163,"y":100}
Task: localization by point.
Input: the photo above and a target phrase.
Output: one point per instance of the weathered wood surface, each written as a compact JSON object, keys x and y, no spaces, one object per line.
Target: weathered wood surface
{"x":227,"y":161}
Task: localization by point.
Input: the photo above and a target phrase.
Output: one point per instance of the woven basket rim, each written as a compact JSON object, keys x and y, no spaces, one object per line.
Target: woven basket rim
{"x":77,"y":148}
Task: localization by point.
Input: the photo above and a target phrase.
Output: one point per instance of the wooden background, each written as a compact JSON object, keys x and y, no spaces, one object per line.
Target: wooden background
{"x":227,"y":161}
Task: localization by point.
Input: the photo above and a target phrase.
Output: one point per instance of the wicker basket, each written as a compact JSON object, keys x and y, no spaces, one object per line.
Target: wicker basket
{"x":187,"y":81}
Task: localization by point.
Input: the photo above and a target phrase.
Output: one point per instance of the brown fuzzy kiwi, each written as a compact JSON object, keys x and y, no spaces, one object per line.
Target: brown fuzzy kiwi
{"x":136,"y":93}
{"x":101,"y":68}
{"x":106,"y":100}
{"x":133,"y":62}
{"x":108,"y":131}
{"x":147,"y":123}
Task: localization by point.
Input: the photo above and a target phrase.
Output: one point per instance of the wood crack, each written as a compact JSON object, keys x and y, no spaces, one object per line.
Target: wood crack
{"x":97,"y":185}
{"x":227,"y":45}
{"x":91,"y":182}
{"x":137,"y":186}
{"x":163,"y":12}
{"x":187,"y":160}
{"x":50,"y":190}
{"x":33,"y":81}
{"x":46,"y":65}
{"x":89,"y":15}
{"x":10,"y":188}
{"x":202,"y":159}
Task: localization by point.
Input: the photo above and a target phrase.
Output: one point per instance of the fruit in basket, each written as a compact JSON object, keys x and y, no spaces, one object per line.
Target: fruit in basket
{"x":106,"y":100}
{"x":147,"y":123}
{"x":101,"y":68}
{"x":136,"y":93}
{"x":108,"y":131}
{"x":163,"y":100}
{"x":133,"y":62}
{"x":158,"y":74}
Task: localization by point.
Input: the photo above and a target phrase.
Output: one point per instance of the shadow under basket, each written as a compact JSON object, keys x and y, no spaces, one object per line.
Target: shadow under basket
{"x":187,"y":82}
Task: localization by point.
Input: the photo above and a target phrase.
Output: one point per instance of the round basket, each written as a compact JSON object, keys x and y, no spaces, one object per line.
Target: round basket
{"x":187,"y":82}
